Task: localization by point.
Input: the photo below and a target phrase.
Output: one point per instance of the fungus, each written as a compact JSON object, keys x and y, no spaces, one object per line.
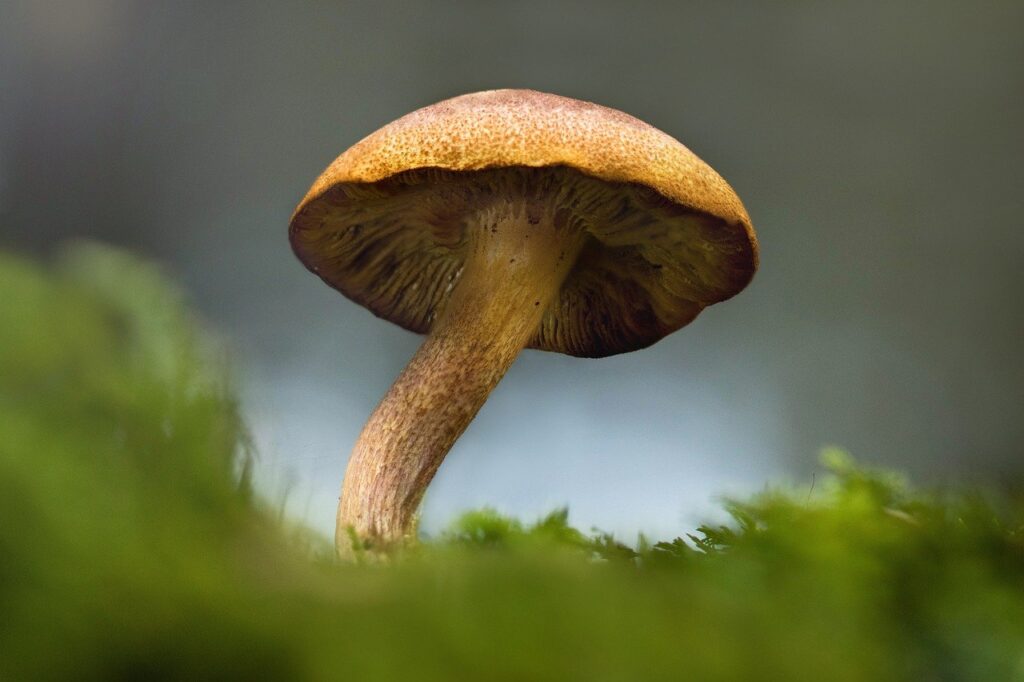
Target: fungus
{"x":497,"y":221}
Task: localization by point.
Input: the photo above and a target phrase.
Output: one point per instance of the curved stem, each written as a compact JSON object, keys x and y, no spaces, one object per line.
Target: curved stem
{"x":516,"y":262}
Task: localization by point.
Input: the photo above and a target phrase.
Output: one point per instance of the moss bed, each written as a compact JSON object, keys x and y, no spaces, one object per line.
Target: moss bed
{"x":132,"y":546}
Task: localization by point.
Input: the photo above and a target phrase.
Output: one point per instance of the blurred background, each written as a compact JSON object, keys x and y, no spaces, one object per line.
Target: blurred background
{"x":877,"y":147}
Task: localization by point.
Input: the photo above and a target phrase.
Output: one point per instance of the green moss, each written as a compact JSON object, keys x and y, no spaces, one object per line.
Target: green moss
{"x":132,"y":548}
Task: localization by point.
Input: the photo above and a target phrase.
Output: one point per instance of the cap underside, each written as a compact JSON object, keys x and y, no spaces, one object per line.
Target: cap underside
{"x":397,"y":247}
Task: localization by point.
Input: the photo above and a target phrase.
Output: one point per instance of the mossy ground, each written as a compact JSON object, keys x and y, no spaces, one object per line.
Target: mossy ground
{"x":131,"y":546}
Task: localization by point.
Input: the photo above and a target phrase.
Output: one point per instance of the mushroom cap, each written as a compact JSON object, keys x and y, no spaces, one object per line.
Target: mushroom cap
{"x":386,"y":223}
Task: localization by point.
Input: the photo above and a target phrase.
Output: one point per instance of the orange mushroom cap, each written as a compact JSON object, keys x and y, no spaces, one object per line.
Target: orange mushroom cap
{"x":386,"y":224}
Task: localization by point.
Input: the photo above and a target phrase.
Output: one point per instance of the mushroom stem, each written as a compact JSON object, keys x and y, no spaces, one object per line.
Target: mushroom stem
{"x":517,"y":257}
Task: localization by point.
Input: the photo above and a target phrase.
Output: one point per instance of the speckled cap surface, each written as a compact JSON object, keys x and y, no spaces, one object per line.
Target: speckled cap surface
{"x":385,"y":224}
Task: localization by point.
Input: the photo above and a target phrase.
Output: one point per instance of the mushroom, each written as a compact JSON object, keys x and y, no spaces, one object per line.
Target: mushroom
{"x":497,"y":221}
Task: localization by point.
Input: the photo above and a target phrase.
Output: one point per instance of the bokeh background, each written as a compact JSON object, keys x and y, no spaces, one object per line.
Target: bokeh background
{"x":877,"y":146}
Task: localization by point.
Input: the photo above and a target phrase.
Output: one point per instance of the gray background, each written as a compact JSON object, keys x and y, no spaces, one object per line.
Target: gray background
{"x":878,"y":148}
